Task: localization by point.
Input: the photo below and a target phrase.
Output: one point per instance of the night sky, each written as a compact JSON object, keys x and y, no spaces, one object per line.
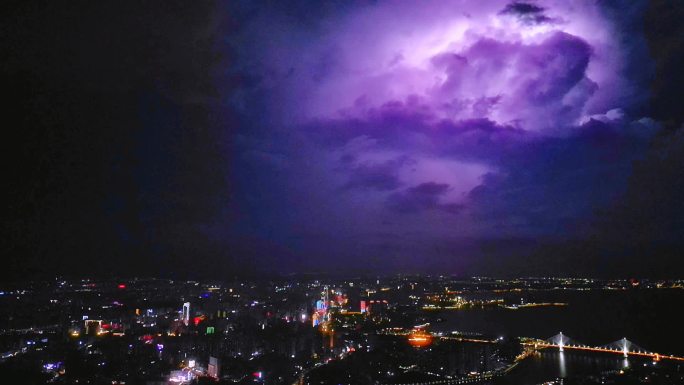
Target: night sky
{"x":199,"y":139}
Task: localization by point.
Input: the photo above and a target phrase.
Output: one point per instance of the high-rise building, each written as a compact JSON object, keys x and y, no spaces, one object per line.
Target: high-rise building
{"x":186,"y":314}
{"x":213,"y":368}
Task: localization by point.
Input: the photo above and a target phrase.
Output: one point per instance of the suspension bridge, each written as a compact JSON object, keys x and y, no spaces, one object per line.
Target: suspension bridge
{"x":623,"y":346}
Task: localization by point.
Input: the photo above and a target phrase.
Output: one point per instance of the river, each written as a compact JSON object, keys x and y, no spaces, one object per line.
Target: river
{"x":649,"y":318}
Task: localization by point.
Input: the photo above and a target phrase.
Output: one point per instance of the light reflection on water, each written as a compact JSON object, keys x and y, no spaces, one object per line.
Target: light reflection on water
{"x":551,"y":364}
{"x":562,"y":370}
{"x":625,"y":362}
{"x":594,"y":318}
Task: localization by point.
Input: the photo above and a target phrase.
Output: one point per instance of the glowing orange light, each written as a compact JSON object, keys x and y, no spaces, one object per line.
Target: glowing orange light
{"x":419,"y":339}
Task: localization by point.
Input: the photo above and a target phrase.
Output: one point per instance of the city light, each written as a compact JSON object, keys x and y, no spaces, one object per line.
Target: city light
{"x":258,"y":326}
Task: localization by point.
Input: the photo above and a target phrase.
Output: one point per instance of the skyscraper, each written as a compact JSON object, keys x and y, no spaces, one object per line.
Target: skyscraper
{"x":213,"y":368}
{"x":186,"y":313}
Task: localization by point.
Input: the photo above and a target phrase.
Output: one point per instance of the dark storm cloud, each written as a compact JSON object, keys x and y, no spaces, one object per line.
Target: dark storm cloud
{"x":542,"y":185}
{"x":664,"y":30}
{"x":527,"y":12}
{"x":552,"y":186}
{"x":425,"y":196}
{"x":382,"y":176}
{"x":396,"y":125}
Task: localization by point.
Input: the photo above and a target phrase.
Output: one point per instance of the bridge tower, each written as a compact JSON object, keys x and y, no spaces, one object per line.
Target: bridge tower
{"x":560,"y":342}
{"x":624,"y":347}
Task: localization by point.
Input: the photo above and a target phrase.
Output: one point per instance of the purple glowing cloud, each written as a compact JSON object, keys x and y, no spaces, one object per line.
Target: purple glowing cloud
{"x":454,"y":55}
{"x":446,"y":118}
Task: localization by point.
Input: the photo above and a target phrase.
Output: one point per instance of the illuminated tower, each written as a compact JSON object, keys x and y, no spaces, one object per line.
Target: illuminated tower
{"x":186,"y":314}
{"x":326,"y":304}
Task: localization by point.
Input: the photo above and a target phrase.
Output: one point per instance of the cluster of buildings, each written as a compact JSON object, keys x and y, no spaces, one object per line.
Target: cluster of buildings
{"x":165,"y":331}
{"x":160,"y":331}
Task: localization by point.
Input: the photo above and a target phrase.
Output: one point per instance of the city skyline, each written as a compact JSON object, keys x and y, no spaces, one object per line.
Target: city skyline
{"x":416,"y":329}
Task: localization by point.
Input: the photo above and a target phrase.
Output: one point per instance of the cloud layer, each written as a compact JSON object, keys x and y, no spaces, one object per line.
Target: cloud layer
{"x":409,"y":133}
